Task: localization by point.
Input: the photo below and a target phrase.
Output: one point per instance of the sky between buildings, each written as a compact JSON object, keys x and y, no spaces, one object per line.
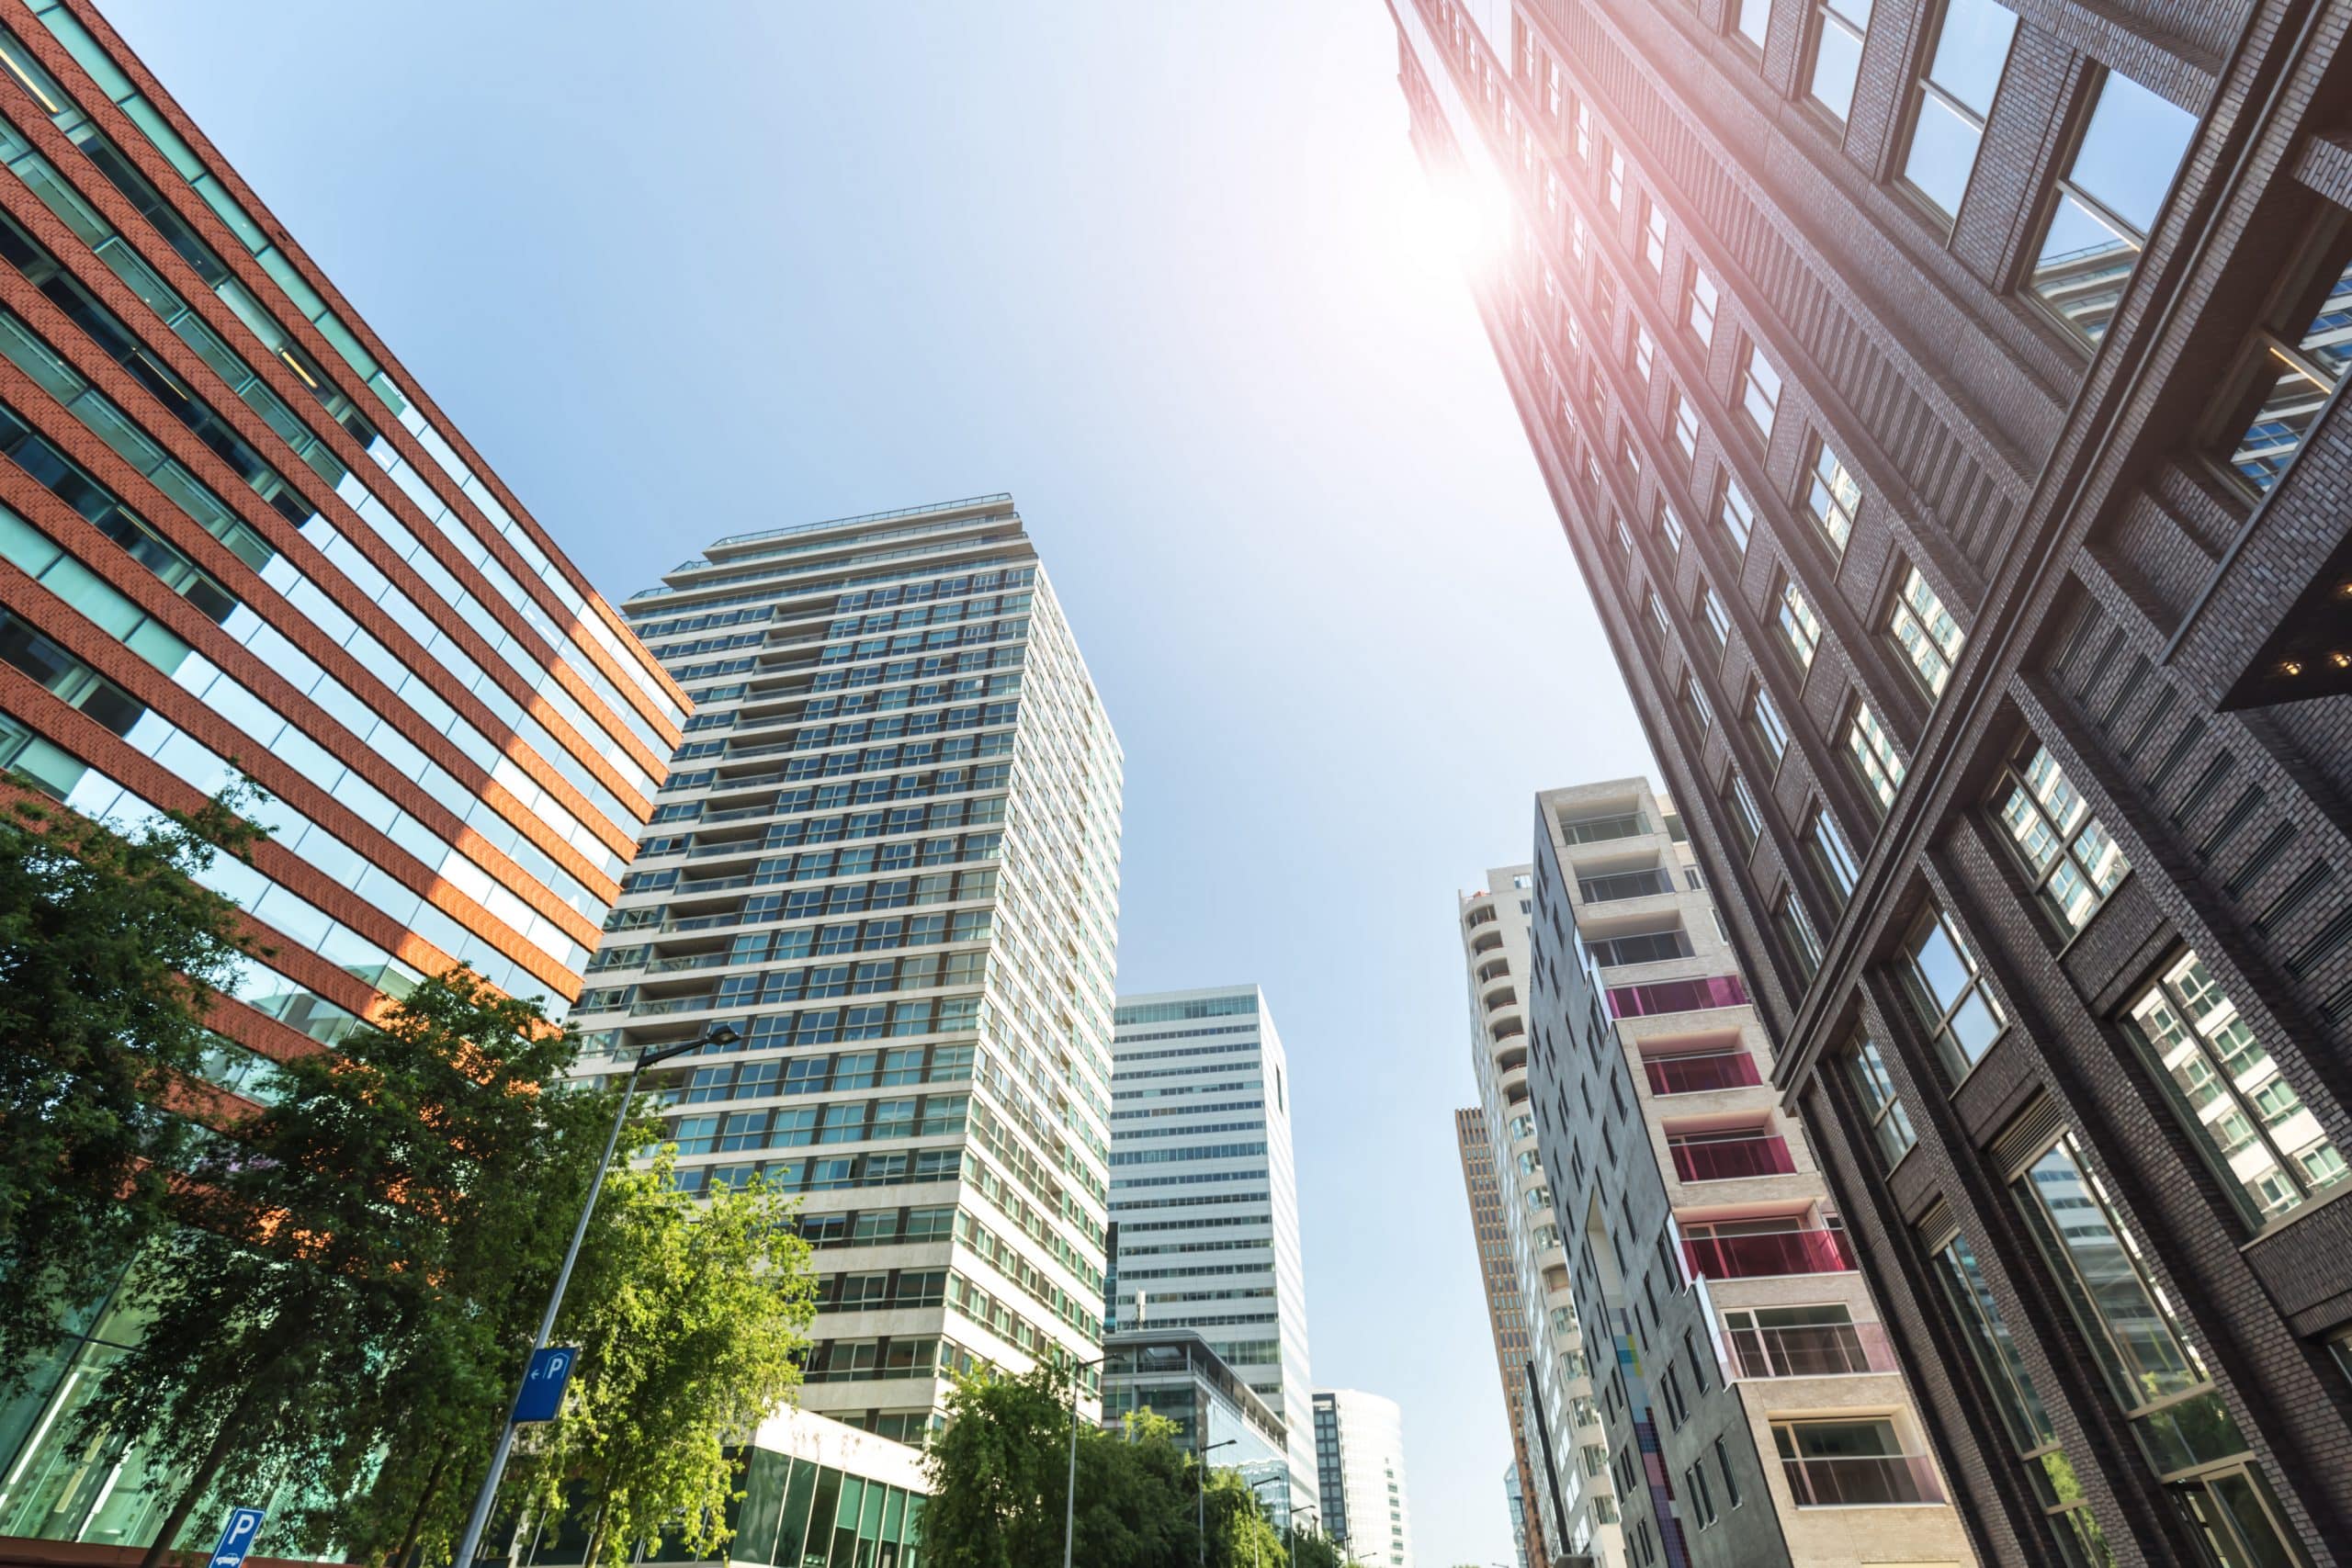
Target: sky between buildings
{"x":1167,"y":272}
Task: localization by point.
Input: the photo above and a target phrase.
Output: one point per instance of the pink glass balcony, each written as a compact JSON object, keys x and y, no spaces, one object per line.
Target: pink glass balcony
{"x":1697,"y":1073}
{"x":1768,"y":1254}
{"x":1677,"y":996}
{"x":1724,"y":1159}
{"x":1874,"y":1478}
{"x":1810,"y":1350}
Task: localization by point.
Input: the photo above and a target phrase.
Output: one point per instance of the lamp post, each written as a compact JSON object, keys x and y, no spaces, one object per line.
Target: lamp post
{"x":1200,"y":1492}
{"x":1255,"y":1557}
{"x":1069,"y":1499}
{"x":721,"y":1034}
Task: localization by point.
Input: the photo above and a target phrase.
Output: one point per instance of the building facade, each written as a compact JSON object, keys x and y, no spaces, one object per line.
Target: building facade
{"x":1205,"y":1195}
{"x":1514,"y":1499}
{"x":238,"y":539}
{"x":1571,"y":1495}
{"x":1174,"y":1373}
{"x":1360,"y":1454}
{"x":1937,"y":397}
{"x":1753,"y":1413}
{"x":1506,"y":1317}
{"x":887,"y":856}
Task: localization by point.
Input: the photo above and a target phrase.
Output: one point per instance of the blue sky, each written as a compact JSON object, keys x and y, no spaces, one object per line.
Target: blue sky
{"x":1164,"y":270}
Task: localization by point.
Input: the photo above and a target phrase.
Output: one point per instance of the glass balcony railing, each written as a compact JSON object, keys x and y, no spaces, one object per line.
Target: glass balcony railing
{"x":1677,"y":996}
{"x":1861,"y":1481}
{"x":1699,"y":1073}
{"x":1769,"y":1253}
{"x":1810,"y":1350}
{"x":1723,"y":1159}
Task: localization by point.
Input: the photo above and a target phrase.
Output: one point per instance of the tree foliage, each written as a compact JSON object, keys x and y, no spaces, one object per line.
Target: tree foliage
{"x":109,"y":958}
{"x":1000,"y":1476}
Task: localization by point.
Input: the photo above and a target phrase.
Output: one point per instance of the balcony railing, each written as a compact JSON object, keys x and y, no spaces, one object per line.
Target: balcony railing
{"x":1862,"y":1481}
{"x":1810,"y":1350}
{"x":1723,"y":1159}
{"x":1677,"y":996}
{"x":1698,"y":1073}
{"x":1768,"y":1254}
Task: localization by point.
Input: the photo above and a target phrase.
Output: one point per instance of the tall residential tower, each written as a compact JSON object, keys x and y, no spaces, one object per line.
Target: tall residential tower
{"x":1492,"y":1230}
{"x":1205,"y":1196}
{"x":889,"y":857}
{"x":237,"y":537}
{"x":1939,"y":400}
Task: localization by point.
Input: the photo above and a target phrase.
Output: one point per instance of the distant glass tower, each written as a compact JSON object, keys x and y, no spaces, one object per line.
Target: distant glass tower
{"x":888,"y":856}
{"x":1360,"y":1448}
{"x":1517,"y":1511}
{"x":1206,"y":1194}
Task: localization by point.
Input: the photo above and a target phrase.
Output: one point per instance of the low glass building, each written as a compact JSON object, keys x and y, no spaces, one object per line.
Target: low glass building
{"x":1173,"y":1372}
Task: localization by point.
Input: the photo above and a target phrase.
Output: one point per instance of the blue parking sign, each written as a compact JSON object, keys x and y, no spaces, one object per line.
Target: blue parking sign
{"x":542,"y":1395}
{"x":238,"y":1538}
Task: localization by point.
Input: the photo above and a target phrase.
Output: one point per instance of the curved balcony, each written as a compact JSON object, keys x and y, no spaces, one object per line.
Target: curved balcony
{"x":1507,"y":997}
{"x":1486,"y":941}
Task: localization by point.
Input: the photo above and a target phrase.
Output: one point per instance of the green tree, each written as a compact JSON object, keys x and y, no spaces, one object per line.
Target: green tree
{"x":1240,"y":1535}
{"x":109,"y":959}
{"x":691,"y":1320}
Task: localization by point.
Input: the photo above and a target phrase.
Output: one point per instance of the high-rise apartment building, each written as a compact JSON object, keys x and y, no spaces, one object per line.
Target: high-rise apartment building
{"x":1359,"y":1455}
{"x":887,"y":855}
{"x":237,"y":537}
{"x":1570,"y":1495}
{"x":1205,"y":1196}
{"x":1514,"y":1499}
{"x":1491,"y":1229}
{"x":1751,"y":1410}
{"x":1938,"y":400}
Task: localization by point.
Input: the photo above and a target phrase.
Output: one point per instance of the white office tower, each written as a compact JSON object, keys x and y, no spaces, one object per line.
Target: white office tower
{"x":1360,"y":1447}
{"x":1205,"y":1196}
{"x":887,"y":857}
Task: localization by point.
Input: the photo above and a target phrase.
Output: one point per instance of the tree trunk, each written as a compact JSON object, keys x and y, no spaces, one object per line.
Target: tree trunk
{"x":200,"y":1481}
{"x":423,"y":1501}
{"x":595,"y":1538}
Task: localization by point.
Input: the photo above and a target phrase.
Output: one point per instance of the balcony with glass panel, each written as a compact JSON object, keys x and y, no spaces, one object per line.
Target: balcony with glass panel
{"x":1805,"y":1342}
{"x":1763,"y":1249}
{"x":1729,"y":1154}
{"x":1701,"y":1071}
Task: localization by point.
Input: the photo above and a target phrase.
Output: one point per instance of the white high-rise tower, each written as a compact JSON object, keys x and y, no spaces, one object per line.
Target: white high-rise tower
{"x":1206,"y":1199}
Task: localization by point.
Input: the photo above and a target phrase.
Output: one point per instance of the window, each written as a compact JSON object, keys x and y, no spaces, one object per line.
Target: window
{"x":1797,"y":933}
{"x":1584,"y":130}
{"x":1873,"y":754}
{"x":1670,"y":527}
{"x":1930,"y":638}
{"x":1555,"y":87}
{"x":1853,"y":1462}
{"x":2151,"y":1363}
{"x":1645,"y":351}
{"x":1954,"y":99}
{"x":1798,"y":623}
{"x":1948,"y":993}
{"x":2131,"y":143}
{"x":1624,"y":540}
{"x":1759,"y":392}
{"x":1838,"y":26}
{"x":2225,"y":1084}
{"x":1616,"y":179}
{"x":1699,"y":306}
{"x":1745,"y":815}
{"x":1654,"y":236}
{"x":2074,"y":865}
{"x":2081,"y":1543}
{"x":1874,"y":1086}
{"x":1722,"y":1462}
{"x":1831,"y":855}
{"x":1628,"y":455}
{"x":1832,"y":497}
{"x":1658,"y":621}
{"x":1718,"y":624}
{"x":1686,"y":427}
{"x":1694,"y":701}
{"x":1704,"y":1498}
{"x":1738,"y":513}
{"x":2294,"y":372}
{"x":1764,"y":723}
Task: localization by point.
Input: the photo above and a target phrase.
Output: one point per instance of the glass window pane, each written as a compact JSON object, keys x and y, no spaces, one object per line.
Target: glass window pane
{"x":2082,"y":268}
{"x":1943,"y":154}
{"x":1971,"y":50}
{"x":2131,"y":151}
{"x":1836,"y":58}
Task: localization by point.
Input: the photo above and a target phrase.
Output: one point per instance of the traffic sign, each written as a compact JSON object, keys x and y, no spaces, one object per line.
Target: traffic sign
{"x":542,"y":1395}
{"x":238,"y":1538}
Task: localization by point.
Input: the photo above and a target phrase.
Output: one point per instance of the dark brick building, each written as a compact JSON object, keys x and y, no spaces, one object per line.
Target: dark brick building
{"x":1940,"y":402}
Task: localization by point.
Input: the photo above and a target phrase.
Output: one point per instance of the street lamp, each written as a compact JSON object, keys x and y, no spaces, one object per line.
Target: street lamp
{"x":1263,"y":1481}
{"x":1200,"y":1492}
{"x":719,"y":1035}
{"x":1070,"y":1500}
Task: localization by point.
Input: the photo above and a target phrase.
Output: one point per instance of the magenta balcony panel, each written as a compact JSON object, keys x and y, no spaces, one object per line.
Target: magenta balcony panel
{"x":1880,"y":1479}
{"x":1812,"y":1350}
{"x":1772,"y":1253}
{"x":1695,"y":1075}
{"x":1725,"y":1158}
{"x":1677,"y":996}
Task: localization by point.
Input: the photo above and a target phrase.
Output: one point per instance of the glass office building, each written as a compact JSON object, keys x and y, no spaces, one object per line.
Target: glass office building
{"x":235,"y":536}
{"x":887,"y":857}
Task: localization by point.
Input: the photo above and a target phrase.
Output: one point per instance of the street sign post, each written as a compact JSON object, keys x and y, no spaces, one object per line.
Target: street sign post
{"x":238,"y":1538}
{"x":542,"y":1395}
